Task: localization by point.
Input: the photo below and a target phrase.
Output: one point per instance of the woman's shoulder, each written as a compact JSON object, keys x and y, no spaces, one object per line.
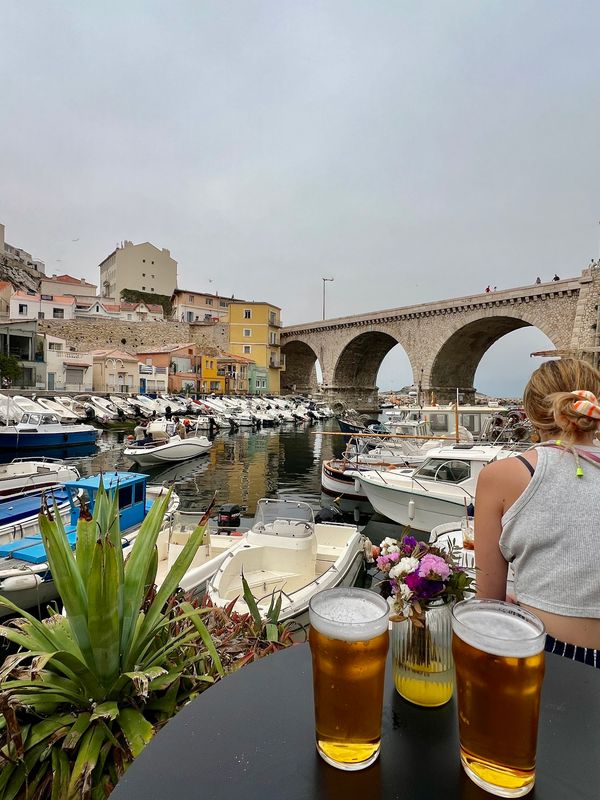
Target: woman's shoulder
{"x":509,"y":467}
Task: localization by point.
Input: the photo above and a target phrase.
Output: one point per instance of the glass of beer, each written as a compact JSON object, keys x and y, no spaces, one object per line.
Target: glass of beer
{"x":498,"y":653}
{"x":349,"y":643}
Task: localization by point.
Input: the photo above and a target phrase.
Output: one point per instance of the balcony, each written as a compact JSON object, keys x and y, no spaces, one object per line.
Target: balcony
{"x":274,"y":363}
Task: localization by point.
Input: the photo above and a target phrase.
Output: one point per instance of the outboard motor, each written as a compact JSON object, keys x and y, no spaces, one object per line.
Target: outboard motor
{"x":229,"y":516}
{"x":329,"y":514}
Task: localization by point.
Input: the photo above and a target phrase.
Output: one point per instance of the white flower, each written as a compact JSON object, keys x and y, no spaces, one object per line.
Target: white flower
{"x":406,"y":565}
{"x":404,"y":592}
{"x":389,"y":545}
{"x":392,"y":548}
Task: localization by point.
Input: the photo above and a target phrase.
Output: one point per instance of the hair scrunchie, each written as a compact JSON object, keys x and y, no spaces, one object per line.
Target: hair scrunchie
{"x":588,"y":406}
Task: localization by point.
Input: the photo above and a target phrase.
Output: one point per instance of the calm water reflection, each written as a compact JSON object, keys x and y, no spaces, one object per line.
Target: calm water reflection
{"x":241,"y":467}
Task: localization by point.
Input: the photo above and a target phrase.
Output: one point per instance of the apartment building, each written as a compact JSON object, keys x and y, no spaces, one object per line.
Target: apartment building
{"x":182,"y":362}
{"x":198,"y":306}
{"x":31,"y":305}
{"x":138,"y":266}
{"x":211,"y":379}
{"x":254,"y":330}
{"x":235,"y":373}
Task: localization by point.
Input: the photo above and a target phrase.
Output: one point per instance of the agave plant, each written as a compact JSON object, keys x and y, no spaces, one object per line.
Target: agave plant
{"x":87,"y":690}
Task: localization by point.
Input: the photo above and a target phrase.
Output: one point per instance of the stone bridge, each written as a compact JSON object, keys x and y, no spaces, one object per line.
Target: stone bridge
{"x":444,"y":340}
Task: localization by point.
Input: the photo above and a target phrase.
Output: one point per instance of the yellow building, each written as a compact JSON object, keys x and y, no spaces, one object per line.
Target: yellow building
{"x":254,"y":330}
{"x":211,"y":380}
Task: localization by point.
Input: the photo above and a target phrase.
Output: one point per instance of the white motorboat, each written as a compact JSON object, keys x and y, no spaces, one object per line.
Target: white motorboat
{"x":286,"y":551}
{"x":24,"y":475}
{"x":25,"y":576}
{"x":434,"y":493}
{"x":173,"y":449}
{"x":64,"y":415}
{"x":208,"y":558}
{"x":27,"y":405}
{"x":74,"y":406}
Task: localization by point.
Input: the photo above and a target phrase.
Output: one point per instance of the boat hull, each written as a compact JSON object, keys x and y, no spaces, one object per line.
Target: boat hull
{"x":427,"y":510}
{"x":168,"y":453}
{"x":38,"y":440}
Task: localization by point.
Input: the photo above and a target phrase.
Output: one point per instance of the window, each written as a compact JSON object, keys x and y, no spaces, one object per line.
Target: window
{"x":209,"y":301}
{"x":41,"y":315}
{"x":54,"y":346}
{"x":125,"y":496}
{"x":247,"y":313}
{"x":148,"y":362}
{"x":128,"y":316}
{"x":223,"y":303}
{"x":247,"y":332}
{"x":143,"y":288}
{"x":58,"y":313}
{"x":22,"y":308}
{"x":191,"y":299}
{"x":139,"y":492}
{"x":272,"y":318}
{"x":152,"y":288}
{"x":247,"y":348}
{"x":446,"y":470}
{"x":97,"y":309}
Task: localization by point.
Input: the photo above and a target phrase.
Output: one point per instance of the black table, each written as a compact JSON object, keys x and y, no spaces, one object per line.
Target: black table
{"x":252,"y":737}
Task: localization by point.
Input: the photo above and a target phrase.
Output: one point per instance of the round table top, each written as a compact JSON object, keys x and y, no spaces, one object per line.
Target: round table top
{"x":252,"y":736}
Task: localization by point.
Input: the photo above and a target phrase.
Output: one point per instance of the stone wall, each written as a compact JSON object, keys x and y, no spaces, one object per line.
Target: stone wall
{"x":91,"y":334}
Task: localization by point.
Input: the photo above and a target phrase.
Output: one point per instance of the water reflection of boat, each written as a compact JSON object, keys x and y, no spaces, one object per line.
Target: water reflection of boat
{"x":175,"y":472}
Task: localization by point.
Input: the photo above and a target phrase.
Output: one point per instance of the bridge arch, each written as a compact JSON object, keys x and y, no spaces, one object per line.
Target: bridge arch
{"x":360,"y":359}
{"x":455,"y":362}
{"x":300,"y":373}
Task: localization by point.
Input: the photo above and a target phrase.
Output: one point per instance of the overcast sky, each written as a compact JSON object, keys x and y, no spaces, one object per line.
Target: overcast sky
{"x":411,"y":150}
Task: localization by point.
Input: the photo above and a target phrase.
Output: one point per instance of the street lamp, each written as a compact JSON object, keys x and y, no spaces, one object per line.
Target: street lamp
{"x":324,"y":282}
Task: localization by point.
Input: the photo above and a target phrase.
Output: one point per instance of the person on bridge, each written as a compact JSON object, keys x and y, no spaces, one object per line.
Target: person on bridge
{"x":555,"y":278}
{"x":539,"y":512}
{"x":538,"y":280}
{"x":487,"y":289}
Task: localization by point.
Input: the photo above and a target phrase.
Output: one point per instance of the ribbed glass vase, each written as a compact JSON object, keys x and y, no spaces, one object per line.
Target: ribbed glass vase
{"x":422,"y":656}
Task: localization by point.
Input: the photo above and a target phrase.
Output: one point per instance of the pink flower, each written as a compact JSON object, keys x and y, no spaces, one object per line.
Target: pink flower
{"x":433,"y":568}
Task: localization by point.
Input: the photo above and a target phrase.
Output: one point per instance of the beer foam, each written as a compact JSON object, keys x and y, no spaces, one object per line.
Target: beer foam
{"x":351,"y":615}
{"x":500,"y":629}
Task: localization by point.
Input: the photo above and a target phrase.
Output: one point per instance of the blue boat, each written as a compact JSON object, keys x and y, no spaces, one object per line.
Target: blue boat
{"x":43,"y":431}
{"x":13,"y":509}
{"x":25,"y":577}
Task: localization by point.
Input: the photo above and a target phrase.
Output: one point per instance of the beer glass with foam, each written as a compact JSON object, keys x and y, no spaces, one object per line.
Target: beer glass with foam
{"x":498,"y":653}
{"x":349,"y":643}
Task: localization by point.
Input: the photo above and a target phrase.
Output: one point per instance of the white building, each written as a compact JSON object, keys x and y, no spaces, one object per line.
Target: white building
{"x":129,"y":312}
{"x":153,"y":380}
{"x":66,"y":369}
{"x":30,"y":305}
{"x":138,"y":266}
{"x":78,"y":288}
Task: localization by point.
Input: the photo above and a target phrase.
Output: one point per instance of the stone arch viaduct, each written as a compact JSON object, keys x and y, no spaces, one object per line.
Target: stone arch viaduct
{"x":444,"y":340}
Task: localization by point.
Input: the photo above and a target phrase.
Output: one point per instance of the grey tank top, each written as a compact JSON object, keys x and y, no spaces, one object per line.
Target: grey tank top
{"x":551,"y":536}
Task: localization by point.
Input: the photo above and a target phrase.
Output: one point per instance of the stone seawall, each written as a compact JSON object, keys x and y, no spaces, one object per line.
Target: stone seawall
{"x":91,"y":334}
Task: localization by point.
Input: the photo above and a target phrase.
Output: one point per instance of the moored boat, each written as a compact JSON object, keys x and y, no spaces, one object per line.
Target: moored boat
{"x":42,"y":431}
{"x":25,"y":576}
{"x":24,"y":475}
{"x":287,"y":551}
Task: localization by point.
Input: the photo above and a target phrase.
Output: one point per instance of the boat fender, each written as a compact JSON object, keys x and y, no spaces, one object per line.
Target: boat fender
{"x":368,"y":551}
{"x":20,"y":583}
{"x":411,"y":509}
{"x":357,"y":484}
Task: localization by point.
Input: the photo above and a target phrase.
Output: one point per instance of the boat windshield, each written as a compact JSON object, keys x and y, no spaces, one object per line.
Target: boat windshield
{"x":284,"y":517}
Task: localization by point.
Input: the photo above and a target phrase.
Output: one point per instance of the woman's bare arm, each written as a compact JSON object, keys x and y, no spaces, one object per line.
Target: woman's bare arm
{"x":489,"y":508}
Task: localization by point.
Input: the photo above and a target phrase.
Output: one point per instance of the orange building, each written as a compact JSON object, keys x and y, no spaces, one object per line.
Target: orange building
{"x":182,"y":361}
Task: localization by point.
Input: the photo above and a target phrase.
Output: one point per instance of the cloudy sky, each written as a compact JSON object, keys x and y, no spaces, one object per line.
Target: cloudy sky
{"x":411,"y":150}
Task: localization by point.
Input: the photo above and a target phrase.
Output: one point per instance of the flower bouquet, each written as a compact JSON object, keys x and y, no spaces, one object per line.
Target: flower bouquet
{"x":422,"y":583}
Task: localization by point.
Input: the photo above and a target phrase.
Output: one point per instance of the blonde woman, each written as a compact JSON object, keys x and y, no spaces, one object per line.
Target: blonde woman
{"x":540,"y":511}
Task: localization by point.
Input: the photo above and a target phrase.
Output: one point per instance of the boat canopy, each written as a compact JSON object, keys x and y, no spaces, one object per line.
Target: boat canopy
{"x":132,"y":494}
{"x":284,"y":518}
{"x":110,"y":480}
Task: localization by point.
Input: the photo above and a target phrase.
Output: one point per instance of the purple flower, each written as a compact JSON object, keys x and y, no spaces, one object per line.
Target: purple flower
{"x":434,"y":568}
{"x":393,"y":557}
{"x":409,"y":543}
{"x":383,"y":563}
{"x":423,"y":588}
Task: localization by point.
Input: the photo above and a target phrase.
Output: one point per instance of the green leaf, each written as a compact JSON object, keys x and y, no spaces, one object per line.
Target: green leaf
{"x":107,"y":710}
{"x":251,"y":603}
{"x":61,"y":774}
{"x":103,"y":612}
{"x":272,"y":632}
{"x":77,"y":730}
{"x":87,"y":755}
{"x":67,"y":579}
{"x":205,"y":636}
{"x":136,"y":729}
{"x":136,"y":570}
